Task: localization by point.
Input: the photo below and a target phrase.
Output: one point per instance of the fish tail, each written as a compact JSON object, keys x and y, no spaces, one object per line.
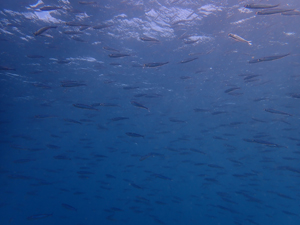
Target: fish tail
{"x":249,"y":43}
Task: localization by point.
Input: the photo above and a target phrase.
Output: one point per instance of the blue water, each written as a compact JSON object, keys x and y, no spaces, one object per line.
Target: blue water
{"x":92,"y":138}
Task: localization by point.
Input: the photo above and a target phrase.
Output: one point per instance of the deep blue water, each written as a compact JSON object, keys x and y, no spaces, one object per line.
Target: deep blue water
{"x":89,"y":137}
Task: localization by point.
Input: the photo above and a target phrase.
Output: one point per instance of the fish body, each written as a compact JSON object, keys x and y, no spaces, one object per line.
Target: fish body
{"x":188,"y":42}
{"x":291,"y":13}
{"x":43,"y":29}
{"x":105,"y":104}
{"x":231,"y":89}
{"x":72,"y":84}
{"x":6,"y":68}
{"x":87,"y":3}
{"x":72,"y":121}
{"x":117,"y":55}
{"x":72,"y":32}
{"x":35,"y":56}
{"x":145,"y":38}
{"x":151,"y":65}
{"x":50,"y":8}
{"x":130,"y":134}
{"x":188,"y":60}
{"x":83,"y":106}
{"x":76,"y":24}
{"x":273,"y":11}
{"x":101,"y":26}
{"x":238,"y":38}
{"x":277,"y":112}
{"x":119,"y":118}
{"x":268,"y":58}
{"x":75,"y":38}
{"x":68,"y":207}
{"x":39,"y":216}
{"x":136,"y":104}
{"x":260,"y":6}
{"x":110,"y":49}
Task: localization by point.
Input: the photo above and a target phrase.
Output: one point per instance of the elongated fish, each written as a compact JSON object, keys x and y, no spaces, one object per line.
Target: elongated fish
{"x":273,"y":11}
{"x":87,"y":3}
{"x":231,"y":89}
{"x":145,"y":38}
{"x":136,"y":104}
{"x":43,"y":29}
{"x":188,"y":60}
{"x":238,"y":38}
{"x":83,"y":106}
{"x":76,"y":24}
{"x":39,"y":216}
{"x":130,"y":134}
{"x":268,"y":58}
{"x":117,"y":55}
{"x":110,"y":49}
{"x":68,"y":207}
{"x":277,"y":112}
{"x":102,"y":26}
{"x":291,"y":13}
{"x":260,"y":6}
{"x":50,"y":8}
{"x":151,"y":65}
{"x":6,"y":68}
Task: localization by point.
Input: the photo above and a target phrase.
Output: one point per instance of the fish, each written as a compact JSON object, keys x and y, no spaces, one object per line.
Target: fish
{"x":262,"y":142}
{"x":162,"y":177}
{"x":110,"y":49}
{"x":277,"y":112}
{"x":136,"y":104}
{"x":291,"y":13}
{"x":71,"y":84}
{"x":249,"y":77}
{"x":145,"y":38}
{"x":130,"y":134}
{"x":39,"y":216}
{"x":6,"y":68}
{"x":188,"y":42}
{"x":75,"y":38}
{"x":105,"y":104}
{"x":63,"y":61}
{"x":119,"y":118}
{"x":188,"y":60}
{"x":145,"y":157}
{"x":176,"y":120}
{"x":35,"y":56}
{"x":102,"y":26}
{"x":273,"y":11}
{"x":87,"y":3}
{"x":43,"y":116}
{"x":295,"y":95}
{"x":76,"y":24}
{"x":268,"y":58}
{"x":72,"y":32}
{"x":130,"y":88}
{"x":260,"y":6}
{"x":136,"y":186}
{"x":83,"y":106}
{"x":43,"y":29}
{"x":117,"y":55}
{"x":152,"y":65}
{"x":231,"y":89}
{"x":238,"y":38}
{"x":50,"y":8}
{"x":69,"y":207}
{"x":72,"y":121}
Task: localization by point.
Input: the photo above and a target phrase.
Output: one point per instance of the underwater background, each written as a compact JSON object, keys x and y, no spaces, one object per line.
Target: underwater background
{"x":150,"y":112}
